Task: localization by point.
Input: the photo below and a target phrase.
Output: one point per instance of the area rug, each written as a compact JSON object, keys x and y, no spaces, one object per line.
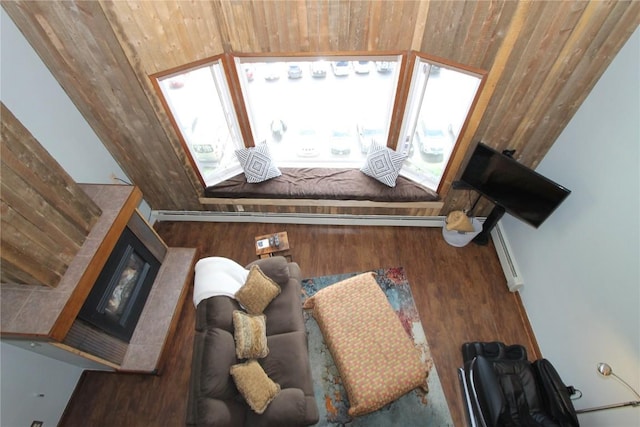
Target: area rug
{"x":416,"y":408}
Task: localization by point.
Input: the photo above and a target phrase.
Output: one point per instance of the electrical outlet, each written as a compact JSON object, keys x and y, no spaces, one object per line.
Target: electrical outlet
{"x":37,"y":423}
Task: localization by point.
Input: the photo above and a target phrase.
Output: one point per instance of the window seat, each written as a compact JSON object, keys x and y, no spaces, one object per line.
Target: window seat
{"x":313,"y":186}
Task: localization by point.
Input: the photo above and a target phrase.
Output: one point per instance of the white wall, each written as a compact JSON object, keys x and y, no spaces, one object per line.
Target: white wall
{"x":33,"y":387}
{"x":581,"y":268}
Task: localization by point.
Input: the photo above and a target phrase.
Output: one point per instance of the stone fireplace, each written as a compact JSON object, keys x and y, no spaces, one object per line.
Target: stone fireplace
{"x":57,"y":321}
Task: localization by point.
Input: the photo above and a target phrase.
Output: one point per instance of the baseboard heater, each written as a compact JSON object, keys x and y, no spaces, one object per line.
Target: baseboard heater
{"x":300,"y":218}
{"x":514,"y":279}
{"x":515,"y":282}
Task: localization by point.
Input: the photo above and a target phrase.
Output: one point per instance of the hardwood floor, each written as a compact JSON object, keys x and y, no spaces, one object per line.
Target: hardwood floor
{"x":461,"y":294}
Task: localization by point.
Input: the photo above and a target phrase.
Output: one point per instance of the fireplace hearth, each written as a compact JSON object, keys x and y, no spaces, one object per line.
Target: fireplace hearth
{"x":116,"y":300}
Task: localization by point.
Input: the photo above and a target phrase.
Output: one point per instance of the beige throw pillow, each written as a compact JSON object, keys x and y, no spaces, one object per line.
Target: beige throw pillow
{"x":250,"y":333}
{"x":257,"y":292}
{"x":254,"y":385}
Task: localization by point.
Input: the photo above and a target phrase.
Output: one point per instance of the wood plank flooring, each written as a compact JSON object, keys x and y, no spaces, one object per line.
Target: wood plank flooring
{"x":461,"y":294}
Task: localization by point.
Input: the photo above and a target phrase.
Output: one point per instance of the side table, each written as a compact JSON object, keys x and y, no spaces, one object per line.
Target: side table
{"x":283,"y":249}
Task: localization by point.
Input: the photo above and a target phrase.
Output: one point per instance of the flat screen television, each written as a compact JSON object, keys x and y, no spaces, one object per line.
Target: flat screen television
{"x":521,"y":191}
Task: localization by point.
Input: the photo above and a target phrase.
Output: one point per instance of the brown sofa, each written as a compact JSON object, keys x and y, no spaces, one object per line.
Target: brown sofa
{"x":213,"y":397}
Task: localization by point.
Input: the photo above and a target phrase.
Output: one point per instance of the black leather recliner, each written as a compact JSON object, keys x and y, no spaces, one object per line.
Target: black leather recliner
{"x":503,"y":389}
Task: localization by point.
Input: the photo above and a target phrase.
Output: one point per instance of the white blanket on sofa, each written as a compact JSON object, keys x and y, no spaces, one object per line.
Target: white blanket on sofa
{"x":217,"y":276}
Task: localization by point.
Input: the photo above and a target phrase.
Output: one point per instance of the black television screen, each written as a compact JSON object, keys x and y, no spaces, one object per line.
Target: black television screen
{"x":521,"y":191}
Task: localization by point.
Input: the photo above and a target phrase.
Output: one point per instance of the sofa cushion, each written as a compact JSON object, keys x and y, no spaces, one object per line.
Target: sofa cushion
{"x":216,"y":312}
{"x":288,"y":408}
{"x":288,"y":361}
{"x":257,"y":292}
{"x":219,"y":413}
{"x":254,"y":385}
{"x":277,"y":268}
{"x":218,"y":355}
{"x":250,"y":333}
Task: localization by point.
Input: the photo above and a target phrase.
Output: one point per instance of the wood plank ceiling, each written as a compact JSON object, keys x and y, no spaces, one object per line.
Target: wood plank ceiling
{"x":542,"y":58}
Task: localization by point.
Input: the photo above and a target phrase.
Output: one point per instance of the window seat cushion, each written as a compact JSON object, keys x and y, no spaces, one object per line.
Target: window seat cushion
{"x":322,"y":183}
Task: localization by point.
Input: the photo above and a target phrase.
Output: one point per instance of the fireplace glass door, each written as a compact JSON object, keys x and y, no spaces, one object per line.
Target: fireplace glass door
{"x":115,"y":303}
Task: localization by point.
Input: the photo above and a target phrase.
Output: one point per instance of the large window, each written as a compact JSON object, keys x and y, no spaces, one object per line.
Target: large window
{"x":320,"y":111}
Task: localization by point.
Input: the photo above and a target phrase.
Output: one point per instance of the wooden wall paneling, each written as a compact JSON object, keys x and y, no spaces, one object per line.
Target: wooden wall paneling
{"x":304,"y":44}
{"x":40,"y":183}
{"x":364,"y":26}
{"x":24,"y":260}
{"x":338,"y":13}
{"x":374,"y":14}
{"x":527,"y":70}
{"x":444,"y":29}
{"x":325,"y":209}
{"x":324,"y":34}
{"x":287,"y":27}
{"x":494,"y":31}
{"x":271,"y":17}
{"x":17,"y":194}
{"x":239,"y":25}
{"x":395,"y":23}
{"x":46,"y":217}
{"x":420,"y":26}
{"x":209,"y":42}
{"x":102,"y":53}
{"x":595,"y":41}
{"x":158,"y":47}
{"x":260,"y":27}
{"x":486,"y":23}
{"x":314,"y":29}
{"x":452,"y":199}
{"x":79,"y":45}
{"x":141,"y":69}
{"x":462,"y":45}
{"x":24,"y":156}
{"x":21,"y":232}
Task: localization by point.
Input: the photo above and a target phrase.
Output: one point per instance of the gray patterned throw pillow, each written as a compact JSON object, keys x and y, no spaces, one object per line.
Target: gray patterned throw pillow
{"x":257,"y":163}
{"x":383,"y":164}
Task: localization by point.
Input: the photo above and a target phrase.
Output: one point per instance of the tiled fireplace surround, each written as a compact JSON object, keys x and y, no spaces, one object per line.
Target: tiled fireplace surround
{"x":45,"y":316}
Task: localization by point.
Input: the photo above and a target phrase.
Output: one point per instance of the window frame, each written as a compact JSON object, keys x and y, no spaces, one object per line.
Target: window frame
{"x":396,"y":125}
{"x":415,"y":56}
